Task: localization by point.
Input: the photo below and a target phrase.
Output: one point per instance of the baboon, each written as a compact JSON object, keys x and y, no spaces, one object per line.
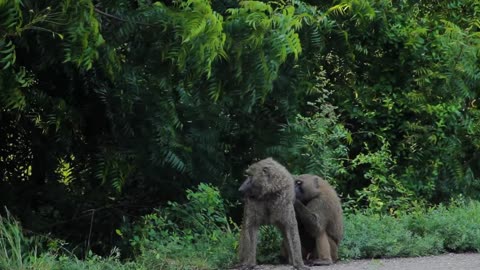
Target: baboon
{"x":269,"y":197}
{"x":319,"y":212}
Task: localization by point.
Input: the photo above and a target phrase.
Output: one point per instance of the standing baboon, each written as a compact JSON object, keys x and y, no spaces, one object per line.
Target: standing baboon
{"x":269,"y":197}
{"x":319,"y":213}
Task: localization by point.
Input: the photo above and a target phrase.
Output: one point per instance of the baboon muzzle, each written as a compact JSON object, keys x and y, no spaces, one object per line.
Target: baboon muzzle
{"x":246,"y":186}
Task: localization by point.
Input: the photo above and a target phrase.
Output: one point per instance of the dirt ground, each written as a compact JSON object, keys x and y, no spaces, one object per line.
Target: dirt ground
{"x":470,"y":261}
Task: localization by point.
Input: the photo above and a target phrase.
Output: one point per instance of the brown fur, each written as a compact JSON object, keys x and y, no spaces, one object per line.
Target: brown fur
{"x":319,"y":212}
{"x":269,"y":197}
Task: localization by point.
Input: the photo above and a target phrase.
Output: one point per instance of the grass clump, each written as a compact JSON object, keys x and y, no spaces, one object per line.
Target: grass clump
{"x":18,"y":251}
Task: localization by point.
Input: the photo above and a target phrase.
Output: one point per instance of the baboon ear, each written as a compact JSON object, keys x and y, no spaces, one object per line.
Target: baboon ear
{"x":316,"y":180}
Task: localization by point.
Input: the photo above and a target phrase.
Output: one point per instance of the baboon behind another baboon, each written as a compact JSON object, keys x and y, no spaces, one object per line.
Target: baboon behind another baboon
{"x":319,"y":213}
{"x":269,"y":197}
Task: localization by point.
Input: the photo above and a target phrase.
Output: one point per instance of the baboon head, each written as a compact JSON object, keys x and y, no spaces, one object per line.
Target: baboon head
{"x":265,"y":177}
{"x":307,"y":187}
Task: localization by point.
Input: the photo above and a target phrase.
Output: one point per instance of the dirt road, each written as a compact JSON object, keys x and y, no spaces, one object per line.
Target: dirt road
{"x":470,"y":261}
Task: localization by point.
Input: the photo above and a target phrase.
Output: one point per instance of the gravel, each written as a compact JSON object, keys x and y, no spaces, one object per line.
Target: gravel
{"x":441,"y":262}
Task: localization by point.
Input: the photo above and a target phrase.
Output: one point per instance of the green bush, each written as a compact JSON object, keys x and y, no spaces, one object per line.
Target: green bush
{"x":439,"y":229}
{"x":457,"y":225}
{"x":316,"y":144}
{"x":383,"y":236}
{"x":385,"y":192}
{"x":194,"y":235}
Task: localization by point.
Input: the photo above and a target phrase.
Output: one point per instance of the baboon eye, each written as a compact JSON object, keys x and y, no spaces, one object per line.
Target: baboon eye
{"x":298,"y":182}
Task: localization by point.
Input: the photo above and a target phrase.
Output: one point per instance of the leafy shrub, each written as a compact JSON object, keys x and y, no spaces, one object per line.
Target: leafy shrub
{"x":439,"y":229}
{"x":385,"y":193}
{"x":315,"y":144}
{"x":373,"y":236}
{"x":457,"y":225}
{"x":194,"y":235}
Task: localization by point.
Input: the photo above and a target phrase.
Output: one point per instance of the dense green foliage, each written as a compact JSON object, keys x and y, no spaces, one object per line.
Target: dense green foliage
{"x":111,"y":108}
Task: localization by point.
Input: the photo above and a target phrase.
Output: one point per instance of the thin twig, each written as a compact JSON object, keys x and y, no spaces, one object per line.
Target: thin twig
{"x":120,"y":19}
{"x":90,"y":232}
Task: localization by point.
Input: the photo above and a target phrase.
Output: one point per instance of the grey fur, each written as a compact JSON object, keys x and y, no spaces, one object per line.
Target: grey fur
{"x":269,"y":197}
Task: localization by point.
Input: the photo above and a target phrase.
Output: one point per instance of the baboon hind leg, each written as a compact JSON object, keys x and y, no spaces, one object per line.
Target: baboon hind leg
{"x":322,"y":250}
{"x":284,"y":258}
{"x":333,"y":249}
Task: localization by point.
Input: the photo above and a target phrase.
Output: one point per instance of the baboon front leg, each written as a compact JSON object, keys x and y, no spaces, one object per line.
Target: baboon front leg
{"x":333,"y":249}
{"x":322,"y":249}
{"x":248,"y":247}
{"x":284,"y":253}
{"x":294,"y":249}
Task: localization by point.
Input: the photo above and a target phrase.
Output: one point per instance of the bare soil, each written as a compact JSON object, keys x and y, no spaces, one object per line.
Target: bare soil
{"x":470,"y":261}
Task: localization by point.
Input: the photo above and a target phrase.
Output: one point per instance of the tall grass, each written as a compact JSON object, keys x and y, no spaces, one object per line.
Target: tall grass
{"x":18,"y":251}
{"x":11,"y":239}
